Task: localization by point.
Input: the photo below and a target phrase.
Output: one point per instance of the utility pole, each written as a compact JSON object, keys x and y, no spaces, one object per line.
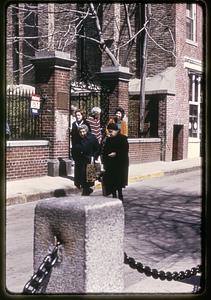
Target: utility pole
{"x":143,"y":59}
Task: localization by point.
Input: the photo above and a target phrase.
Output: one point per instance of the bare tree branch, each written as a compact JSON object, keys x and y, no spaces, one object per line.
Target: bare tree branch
{"x":170,"y":32}
{"x":40,"y":10}
{"x":134,"y":36}
{"x":128,"y":21}
{"x":102,"y":41}
{"x":166,"y":50}
{"x":88,"y":38}
{"x":75,"y":20}
{"x":130,"y":44}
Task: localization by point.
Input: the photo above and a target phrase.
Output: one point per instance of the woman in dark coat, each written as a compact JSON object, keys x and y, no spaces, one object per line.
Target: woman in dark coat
{"x":116,"y":162}
{"x":85,"y":148}
{"x":80,"y":120}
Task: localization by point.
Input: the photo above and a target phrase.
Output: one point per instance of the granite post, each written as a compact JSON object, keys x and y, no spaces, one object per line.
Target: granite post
{"x":91,"y":231}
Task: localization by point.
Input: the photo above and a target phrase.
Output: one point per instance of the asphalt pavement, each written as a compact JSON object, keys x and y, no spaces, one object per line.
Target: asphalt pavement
{"x":22,"y":196}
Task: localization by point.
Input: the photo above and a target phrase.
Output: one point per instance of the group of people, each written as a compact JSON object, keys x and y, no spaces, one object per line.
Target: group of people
{"x":89,"y":144}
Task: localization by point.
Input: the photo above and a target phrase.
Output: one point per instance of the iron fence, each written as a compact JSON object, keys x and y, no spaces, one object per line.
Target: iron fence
{"x":87,"y":95}
{"x":23,"y":124}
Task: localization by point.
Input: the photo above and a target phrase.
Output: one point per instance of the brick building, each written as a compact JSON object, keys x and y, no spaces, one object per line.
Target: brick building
{"x":174,"y":72}
{"x":175,"y":81}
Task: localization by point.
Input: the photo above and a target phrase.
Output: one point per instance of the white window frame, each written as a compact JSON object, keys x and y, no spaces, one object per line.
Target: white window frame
{"x":193,"y":19}
{"x":196,"y":99}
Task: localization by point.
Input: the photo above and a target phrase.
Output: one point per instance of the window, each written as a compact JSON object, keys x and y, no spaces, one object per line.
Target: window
{"x":191,"y":22}
{"x":195,"y":105}
{"x":151,"y":118}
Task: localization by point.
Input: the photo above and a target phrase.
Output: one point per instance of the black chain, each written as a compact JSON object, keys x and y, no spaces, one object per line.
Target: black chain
{"x":34,"y":284}
{"x":160,"y":274}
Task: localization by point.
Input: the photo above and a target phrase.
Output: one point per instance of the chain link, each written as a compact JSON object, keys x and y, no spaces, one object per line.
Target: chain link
{"x":34,"y":284}
{"x":160,"y":274}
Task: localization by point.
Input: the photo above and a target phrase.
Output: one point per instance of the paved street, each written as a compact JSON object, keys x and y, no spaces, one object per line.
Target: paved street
{"x":162,"y":229}
{"x":163,"y":222}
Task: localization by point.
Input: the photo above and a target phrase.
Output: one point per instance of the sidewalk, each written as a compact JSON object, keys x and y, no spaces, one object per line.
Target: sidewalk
{"x":33,"y":189}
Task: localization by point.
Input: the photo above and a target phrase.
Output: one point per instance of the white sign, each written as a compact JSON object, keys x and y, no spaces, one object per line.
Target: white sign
{"x":35,"y":102}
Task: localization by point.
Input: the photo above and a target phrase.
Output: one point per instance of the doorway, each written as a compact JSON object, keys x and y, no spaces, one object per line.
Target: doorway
{"x":177,"y":151}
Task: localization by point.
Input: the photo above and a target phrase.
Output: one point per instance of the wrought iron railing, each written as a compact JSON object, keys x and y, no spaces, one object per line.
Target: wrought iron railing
{"x":23,"y":124}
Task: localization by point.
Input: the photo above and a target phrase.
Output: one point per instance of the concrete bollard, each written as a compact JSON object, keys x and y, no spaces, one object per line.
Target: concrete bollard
{"x":65,"y":167}
{"x":53,"y":167}
{"x":91,"y":230}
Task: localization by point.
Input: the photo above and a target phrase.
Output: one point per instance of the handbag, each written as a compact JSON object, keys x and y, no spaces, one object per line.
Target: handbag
{"x":91,"y":172}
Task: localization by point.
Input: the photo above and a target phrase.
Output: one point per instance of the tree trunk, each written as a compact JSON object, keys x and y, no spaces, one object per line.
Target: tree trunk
{"x":51,"y":26}
{"x":143,"y":58}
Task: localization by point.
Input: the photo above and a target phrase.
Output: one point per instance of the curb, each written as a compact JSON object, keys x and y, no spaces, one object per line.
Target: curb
{"x":25,"y":198}
{"x":143,"y":177}
{"x":162,"y":173}
{"x":183,"y":170}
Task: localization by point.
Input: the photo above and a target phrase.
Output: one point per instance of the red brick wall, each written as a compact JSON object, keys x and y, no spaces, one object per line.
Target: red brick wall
{"x":118,"y":95}
{"x":123,"y":96}
{"x":133,"y":117}
{"x":113,"y":97}
{"x":184,"y":48}
{"x":144,"y":151}
{"x":163,"y":18}
{"x":179,"y":111}
{"x":62,"y":85}
{"x":27,"y":161}
{"x":174,"y":110}
{"x":50,"y":82}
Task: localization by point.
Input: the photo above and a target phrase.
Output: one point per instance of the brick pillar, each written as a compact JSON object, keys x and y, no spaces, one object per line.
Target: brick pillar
{"x":117,"y":80}
{"x":52,"y":79}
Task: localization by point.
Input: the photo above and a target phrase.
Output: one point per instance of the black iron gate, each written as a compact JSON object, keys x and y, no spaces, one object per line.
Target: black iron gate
{"x":85,"y":95}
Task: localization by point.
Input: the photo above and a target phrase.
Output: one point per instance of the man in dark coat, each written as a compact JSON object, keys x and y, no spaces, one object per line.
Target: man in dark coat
{"x":83,"y":151}
{"x":116,"y":162}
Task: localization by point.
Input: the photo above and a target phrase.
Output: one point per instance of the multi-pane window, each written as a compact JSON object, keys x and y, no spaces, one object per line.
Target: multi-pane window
{"x":195,"y":105}
{"x":191,"y":22}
